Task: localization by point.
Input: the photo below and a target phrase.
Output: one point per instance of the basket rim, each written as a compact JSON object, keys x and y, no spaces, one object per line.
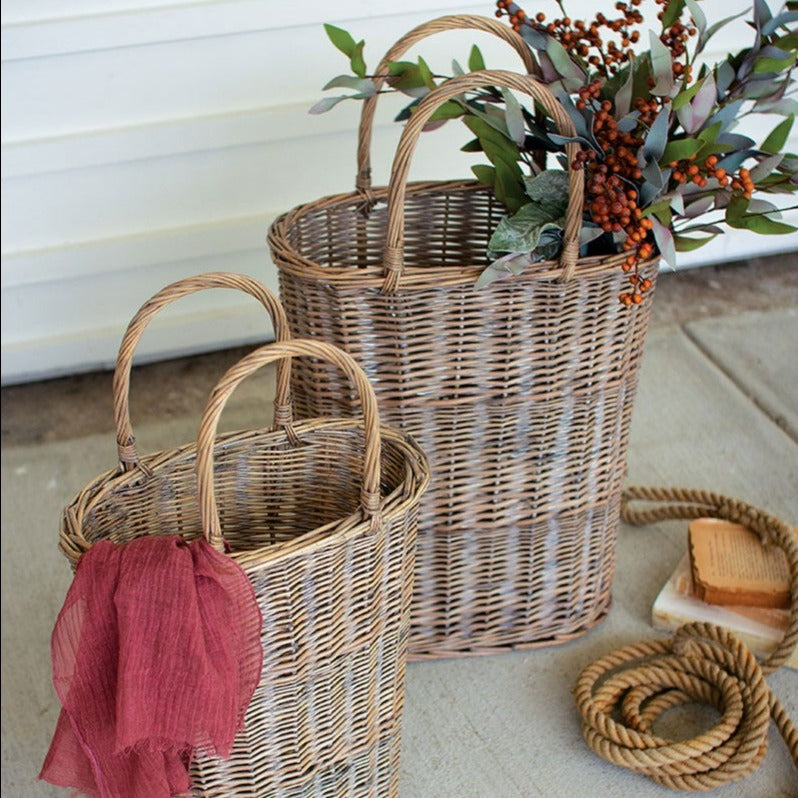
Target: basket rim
{"x":73,"y":543}
{"x":289,"y":260}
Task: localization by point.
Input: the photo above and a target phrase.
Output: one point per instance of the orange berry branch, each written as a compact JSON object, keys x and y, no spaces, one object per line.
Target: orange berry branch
{"x":665,"y":169}
{"x":613,"y":169}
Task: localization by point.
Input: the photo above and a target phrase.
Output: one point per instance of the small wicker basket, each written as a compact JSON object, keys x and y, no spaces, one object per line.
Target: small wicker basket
{"x":321,"y":515}
{"x":520,"y":393}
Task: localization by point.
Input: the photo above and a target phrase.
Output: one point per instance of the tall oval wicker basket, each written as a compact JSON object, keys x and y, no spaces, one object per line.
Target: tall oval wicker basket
{"x":321,"y":514}
{"x":520,"y":393}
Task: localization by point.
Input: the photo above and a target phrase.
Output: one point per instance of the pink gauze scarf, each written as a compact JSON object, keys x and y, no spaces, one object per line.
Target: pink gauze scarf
{"x":156,"y":654}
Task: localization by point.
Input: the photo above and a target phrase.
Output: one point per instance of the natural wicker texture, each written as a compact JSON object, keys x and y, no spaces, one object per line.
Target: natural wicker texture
{"x":321,"y":515}
{"x":622,"y":695}
{"x":125,"y":441}
{"x":520,"y":393}
{"x":410,"y":39}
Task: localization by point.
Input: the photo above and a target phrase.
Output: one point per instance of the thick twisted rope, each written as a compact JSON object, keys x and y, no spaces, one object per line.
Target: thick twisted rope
{"x":621,"y":695}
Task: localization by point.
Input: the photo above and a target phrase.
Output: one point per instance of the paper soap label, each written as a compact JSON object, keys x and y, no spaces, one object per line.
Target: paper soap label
{"x":731,"y":566}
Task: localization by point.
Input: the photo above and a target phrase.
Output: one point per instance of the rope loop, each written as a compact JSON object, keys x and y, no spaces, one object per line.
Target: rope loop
{"x":622,"y":695}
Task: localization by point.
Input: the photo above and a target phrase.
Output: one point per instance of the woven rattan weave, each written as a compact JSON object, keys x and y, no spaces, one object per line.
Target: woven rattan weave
{"x":321,"y":515}
{"x":520,"y":393}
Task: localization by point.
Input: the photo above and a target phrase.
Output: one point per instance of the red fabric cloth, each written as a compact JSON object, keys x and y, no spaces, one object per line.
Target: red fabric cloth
{"x":156,"y":653}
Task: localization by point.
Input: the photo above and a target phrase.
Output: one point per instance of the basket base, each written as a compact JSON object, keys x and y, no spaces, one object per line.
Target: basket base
{"x":444,"y":651}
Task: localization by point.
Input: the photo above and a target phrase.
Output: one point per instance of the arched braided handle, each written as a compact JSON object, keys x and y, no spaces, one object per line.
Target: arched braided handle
{"x":676,"y":503}
{"x":621,"y":695}
{"x":125,"y":440}
{"x":393,"y":257}
{"x":440,"y":25}
{"x":370,"y":490}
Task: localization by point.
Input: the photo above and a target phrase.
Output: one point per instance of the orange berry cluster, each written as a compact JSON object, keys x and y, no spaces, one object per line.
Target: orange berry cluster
{"x":675,"y":37}
{"x":611,"y":201}
{"x":611,"y":179}
{"x":583,"y":37}
{"x":687,"y":171}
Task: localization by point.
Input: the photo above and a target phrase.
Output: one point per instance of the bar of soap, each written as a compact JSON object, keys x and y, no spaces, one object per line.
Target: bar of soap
{"x":730,"y":566}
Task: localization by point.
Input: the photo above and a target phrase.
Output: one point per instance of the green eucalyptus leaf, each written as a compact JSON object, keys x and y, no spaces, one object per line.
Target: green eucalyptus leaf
{"x":556,"y":138}
{"x":687,"y":244}
{"x":767,"y":66}
{"x":778,"y":136}
{"x":727,"y":116}
{"x":451,"y":109}
{"x":780,"y":20}
{"x":664,"y":238}
{"x":326,"y":103}
{"x":765,"y":208}
{"x":405,"y":76}
{"x":629,"y":122}
{"x":471,"y":146}
{"x":341,"y":39}
{"x":566,"y":68}
{"x":511,"y":264}
{"x":362,"y":85}
{"x":648,"y":193}
{"x":533,"y":37}
{"x":704,"y":227}
{"x":475,"y":60}
{"x":698,"y":16}
{"x":762,"y":15}
{"x":724,"y":76}
{"x":522,"y":231}
{"x":661,"y":66}
{"x":493,"y":142}
{"x":426,"y":73}
{"x":407,"y":111}
{"x":694,"y":115}
{"x":623,"y":97}
{"x":356,"y":60}
{"x":683,"y":97}
{"x":699,"y":207}
{"x":677,"y":201}
{"x":734,"y":141}
{"x":738,"y":217}
{"x":673,"y":10}
{"x":788,"y":42}
{"x":485,"y":174}
{"x":654,"y":175}
{"x":680,"y":150}
{"x":612,"y":85}
{"x":786,"y":106}
{"x":733,"y":161}
{"x":514,"y":118}
{"x":656,"y":138}
{"x":550,"y":189}
{"x":789,"y":164}
{"x":493,"y":118}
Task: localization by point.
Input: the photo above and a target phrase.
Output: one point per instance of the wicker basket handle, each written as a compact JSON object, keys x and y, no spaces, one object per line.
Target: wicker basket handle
{"x":393,"y":259}
{"x":447,"y":23}
{"x":125,"y":440}
{"x":370,"y":490}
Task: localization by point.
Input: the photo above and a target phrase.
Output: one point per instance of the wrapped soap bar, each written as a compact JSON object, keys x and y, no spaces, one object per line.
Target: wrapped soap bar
{"x":730,"y":566}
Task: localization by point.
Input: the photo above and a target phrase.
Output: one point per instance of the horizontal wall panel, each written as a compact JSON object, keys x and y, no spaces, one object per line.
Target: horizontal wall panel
{"x":204,"y":187}
{"x":80,"y":323}
{"x":100,"y":28}
{"x":144,"y":141}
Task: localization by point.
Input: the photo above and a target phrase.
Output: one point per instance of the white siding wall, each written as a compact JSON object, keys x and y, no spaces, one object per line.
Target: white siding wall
{"x":144,"y":141}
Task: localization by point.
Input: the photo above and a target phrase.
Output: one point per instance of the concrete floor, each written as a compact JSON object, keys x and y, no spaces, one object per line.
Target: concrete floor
{"x":717,"y":408}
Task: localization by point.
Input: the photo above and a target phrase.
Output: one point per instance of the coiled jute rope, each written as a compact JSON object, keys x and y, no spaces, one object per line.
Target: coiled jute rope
{"x":621,"y":695}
